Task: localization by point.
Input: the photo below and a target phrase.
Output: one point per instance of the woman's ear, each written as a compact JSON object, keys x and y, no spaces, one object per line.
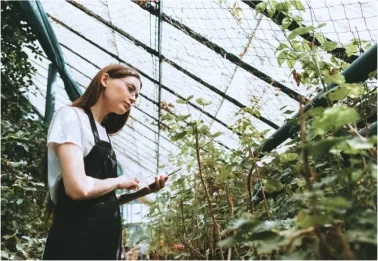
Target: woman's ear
{"x":104,"y":79}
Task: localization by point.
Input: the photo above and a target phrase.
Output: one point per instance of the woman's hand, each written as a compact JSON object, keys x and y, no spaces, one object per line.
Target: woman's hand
{"x":158,"y":185}
{"x":124,"y":182}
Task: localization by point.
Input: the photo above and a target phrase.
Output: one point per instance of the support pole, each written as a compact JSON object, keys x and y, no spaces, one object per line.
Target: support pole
{"x":50,"y":93}
{"x":160,"y":79}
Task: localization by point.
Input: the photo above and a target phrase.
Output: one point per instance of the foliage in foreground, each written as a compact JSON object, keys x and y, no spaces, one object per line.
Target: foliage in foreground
{"x":23,"y":227}
{"x":317,"y":200}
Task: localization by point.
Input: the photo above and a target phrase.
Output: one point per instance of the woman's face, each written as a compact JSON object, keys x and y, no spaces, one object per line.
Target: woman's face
{"x":120,"y":94}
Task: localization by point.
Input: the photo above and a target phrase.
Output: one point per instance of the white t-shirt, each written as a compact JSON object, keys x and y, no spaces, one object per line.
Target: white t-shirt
{"x":70,"y":124}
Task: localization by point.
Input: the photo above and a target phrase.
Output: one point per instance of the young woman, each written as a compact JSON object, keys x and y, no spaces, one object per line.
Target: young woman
{"x":82,"y":169}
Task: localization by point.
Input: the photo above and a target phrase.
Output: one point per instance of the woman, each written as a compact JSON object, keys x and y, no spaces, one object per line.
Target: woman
{"x":82,"y":169}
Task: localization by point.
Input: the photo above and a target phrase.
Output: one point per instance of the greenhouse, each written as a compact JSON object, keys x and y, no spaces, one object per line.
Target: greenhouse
{"x":262,"y":113}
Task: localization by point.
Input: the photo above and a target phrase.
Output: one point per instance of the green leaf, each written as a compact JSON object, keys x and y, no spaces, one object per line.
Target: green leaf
{"x":326,"y":181}
{"x":337,"y":79}
{"x":299,"y":47}
{"x":217,"y":134}
{"x":266,"y":241}
{"x":228,"y":242}
{"x":272,"y":185}
{"x":334,"y":118}
{"x":189,"y":98}
{"x":305,"y":220}
{"x":260,"y":7}
{"x":19,"y":201}
{"x":321,"y":25}
{"x":328,"y":46}
{"x":288,"y":112}
{"x":356,"y":145}
{"x":352,"y":90}
{"x":334,"y":204}
{"x":270,"y":12}
{"x":282,"y":46}
{"x":289,"y":158}
{"x":351,"y":49}
{"x":286,"y":22}
{"x":6,"y":237}
{"x":291,"y":60}
{"x":180,"y":101}
{"x":323,"y":146}
{"x":300,"y":31}
{"x":297,"y":4}
{"x":320,"y":37}
{"x":373,"y":74}
{"x":374,"y":171}
{"x":4,"y":254}
{"x":3,"y":96}
{"x":202,"y":102}
{"x":298,"y":19}
{"x":282,"y":57}
{"x":182,"y":117}
{"x":282,"y":6}
{"x":192,"y":123}
{"x":178,"y":136}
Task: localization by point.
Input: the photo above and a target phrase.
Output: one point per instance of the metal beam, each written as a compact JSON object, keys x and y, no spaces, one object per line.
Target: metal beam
{"x":141,"y":94}
{"x":144,"y":75}
{"x":370,"y":130}
{"x":202,"y":40}
{"x":221,"y":51}
{"x":131,"y":117}
{"x":98,"y":67}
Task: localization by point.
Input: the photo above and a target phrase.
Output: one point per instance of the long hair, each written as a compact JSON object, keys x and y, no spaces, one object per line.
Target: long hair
{"x":113,"y":122}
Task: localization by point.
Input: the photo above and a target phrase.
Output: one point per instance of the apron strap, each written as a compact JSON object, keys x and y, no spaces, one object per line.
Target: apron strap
{"x":93,"y":124}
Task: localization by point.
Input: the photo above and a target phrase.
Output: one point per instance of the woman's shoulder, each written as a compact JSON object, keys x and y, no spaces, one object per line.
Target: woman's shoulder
{"x":67,"y":115}
{"x":69,"y":111}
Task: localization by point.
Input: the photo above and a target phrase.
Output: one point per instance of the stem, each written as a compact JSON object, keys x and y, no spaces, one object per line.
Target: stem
{"x":306,"y":174}
{"x":306,"y":167}
{"x":230,"y":205}
{"x":217,"y":227}
{"x":344,"y":241}
{"x":299,"y":233}
{"x":260,"y":180}
{"x":249,"y":179}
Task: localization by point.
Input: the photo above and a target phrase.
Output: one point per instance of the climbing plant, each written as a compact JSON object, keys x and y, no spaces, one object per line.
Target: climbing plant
{"x":317,"y":200}
{"x":23,"y":229}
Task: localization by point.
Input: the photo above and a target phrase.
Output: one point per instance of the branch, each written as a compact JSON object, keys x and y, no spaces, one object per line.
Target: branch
{"x":260,"y":180}
{"x":206,"y":190}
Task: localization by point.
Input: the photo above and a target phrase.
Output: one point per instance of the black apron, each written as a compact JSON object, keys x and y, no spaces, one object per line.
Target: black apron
{"x":88,"y":229}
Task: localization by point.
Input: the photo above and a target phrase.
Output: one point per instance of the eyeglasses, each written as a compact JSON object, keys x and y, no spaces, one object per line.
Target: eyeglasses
{"x":135,"y":96}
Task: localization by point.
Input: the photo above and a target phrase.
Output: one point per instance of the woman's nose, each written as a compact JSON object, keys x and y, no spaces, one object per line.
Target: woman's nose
{"x":132,"y":99}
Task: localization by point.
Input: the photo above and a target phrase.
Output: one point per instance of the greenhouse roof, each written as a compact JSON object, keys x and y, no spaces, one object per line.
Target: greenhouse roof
{"x":222,"y":51}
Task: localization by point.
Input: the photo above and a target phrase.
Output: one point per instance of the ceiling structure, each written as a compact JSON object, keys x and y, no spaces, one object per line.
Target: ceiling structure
{"x":220,"y":50}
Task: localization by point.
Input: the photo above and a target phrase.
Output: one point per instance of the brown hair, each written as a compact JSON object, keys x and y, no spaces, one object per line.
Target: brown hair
{"x":113,"y":122}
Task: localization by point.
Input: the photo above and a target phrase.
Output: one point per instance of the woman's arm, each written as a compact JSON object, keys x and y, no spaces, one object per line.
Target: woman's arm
{"x":77,"y":184}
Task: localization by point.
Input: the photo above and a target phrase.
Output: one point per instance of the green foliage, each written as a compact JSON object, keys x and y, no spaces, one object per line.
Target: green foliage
{"x":23,"y":140}
{"x":269,"y":209}
{"x":334,"y":118}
